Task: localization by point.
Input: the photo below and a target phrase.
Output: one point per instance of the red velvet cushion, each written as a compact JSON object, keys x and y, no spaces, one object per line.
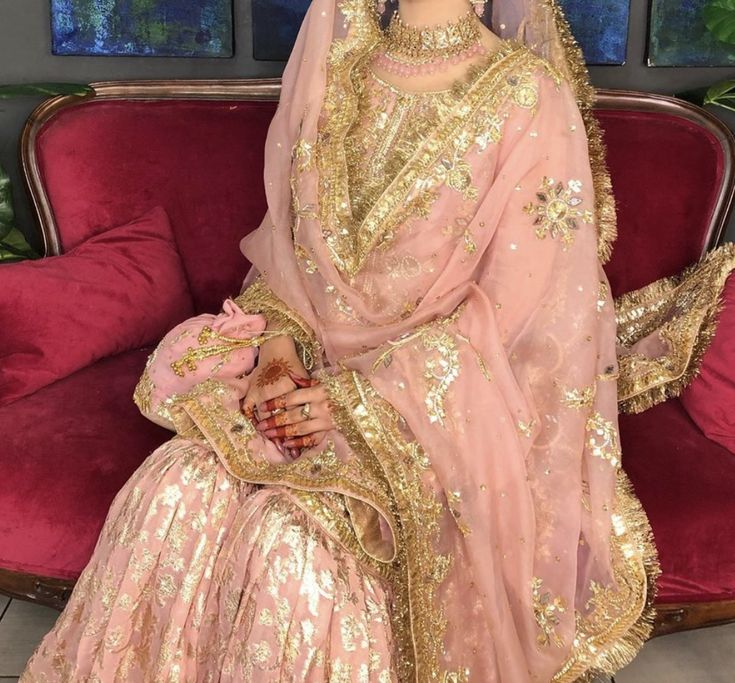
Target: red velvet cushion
{"x":66,"y":451}
{"x":685,"y":483}
{"x":117,"y":292}
{"x":666,"y":172}
{"x":710,"y":398}
{"x":104,"y":162}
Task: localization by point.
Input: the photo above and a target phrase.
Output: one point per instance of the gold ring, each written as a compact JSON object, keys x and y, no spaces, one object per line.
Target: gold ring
{"x":278,"y":410}
{"x":306,"y":410}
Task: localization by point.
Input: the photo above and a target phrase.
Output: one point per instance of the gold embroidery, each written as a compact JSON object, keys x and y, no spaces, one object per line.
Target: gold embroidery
{"x":523,"y":91}
{"x":586,"y":95}
{"x":437,"y":160}
{"x":143,"y":392}
{"x":231,"y":433}
{"x":440,"y":373}
{"x":557,"y":213}
{"x":602,"y":295}
{"x":684,"y":308}
{"x":223,"y":347}
{"x":547,"y":610}
{"x":602,"y":439}
{"x":619,"y":622}
{"x":579,"y":398}
{"x":303,"y":155}
{"x":369,"y":422}
{"x":258,"y":298}
{"x":526,"y":428}
{"x":302,"y":254}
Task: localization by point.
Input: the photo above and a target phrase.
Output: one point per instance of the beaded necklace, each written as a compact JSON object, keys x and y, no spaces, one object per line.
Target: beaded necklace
{"x":410,"y":50}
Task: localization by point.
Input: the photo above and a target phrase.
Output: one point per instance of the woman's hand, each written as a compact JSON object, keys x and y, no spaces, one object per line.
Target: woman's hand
{"x":301,"y":417}
{"x":272,"y":376}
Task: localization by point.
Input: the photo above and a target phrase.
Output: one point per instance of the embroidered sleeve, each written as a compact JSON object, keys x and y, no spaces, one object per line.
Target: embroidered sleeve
{"x":259,"y":298}
{"x":665,"y":328}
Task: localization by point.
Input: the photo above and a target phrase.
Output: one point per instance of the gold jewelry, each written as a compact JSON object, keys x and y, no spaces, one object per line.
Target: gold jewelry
{"x":306,"y":411}
{"x":414,"y":45}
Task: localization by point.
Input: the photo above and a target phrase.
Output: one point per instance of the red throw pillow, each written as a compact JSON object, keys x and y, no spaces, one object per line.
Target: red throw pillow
{"x":710,"y":398}
{"x":119,"y":291}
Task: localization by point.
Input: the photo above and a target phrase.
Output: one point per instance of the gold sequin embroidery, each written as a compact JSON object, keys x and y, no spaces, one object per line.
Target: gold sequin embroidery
{"x":602,"y":439}
{"x":547,"y":611}
{"x":558,"y":213}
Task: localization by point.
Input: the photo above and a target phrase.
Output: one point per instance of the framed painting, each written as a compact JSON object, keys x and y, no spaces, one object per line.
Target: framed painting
{"x":276,"y":24}
{"x":147,"y":28}
{"x":679,"y":36}
{"x":602,"y":30}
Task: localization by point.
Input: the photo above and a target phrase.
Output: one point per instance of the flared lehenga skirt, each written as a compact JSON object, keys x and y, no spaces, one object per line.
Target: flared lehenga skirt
{"x":200,"y":577}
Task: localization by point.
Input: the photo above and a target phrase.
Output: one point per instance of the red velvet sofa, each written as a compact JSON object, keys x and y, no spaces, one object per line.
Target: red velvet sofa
{"x":196,"y":149}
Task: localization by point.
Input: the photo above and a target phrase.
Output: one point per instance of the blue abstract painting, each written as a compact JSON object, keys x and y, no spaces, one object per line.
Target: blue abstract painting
{"x":601,"y":28}
{"x":602,"y":31}
{"x":276,"y":24}
{"x":150,"y":28}
{"x":679,"y":36}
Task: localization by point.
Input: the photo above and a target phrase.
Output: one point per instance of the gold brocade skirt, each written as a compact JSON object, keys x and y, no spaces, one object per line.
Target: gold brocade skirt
{"x":198,"y":576}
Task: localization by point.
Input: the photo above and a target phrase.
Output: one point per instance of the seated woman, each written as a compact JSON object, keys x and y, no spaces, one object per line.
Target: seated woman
{"x":396,"y":453}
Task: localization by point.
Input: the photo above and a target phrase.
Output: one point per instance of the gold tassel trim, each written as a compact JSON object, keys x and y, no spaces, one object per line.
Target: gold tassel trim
{"x":685,"y":310}
{"x":604,"y":654}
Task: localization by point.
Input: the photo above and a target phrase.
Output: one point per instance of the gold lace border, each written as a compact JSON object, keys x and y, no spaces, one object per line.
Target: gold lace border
{"x":203,"y":414}
{"x":259,"y":298}
{"x":684,"y":309}
{"x":603,"y":646}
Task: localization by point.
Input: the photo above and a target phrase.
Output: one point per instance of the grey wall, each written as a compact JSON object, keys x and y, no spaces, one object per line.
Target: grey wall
{"x":25,"y":56}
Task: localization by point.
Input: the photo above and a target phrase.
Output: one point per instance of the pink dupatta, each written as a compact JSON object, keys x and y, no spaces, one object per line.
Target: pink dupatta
{"x":477,"y":448}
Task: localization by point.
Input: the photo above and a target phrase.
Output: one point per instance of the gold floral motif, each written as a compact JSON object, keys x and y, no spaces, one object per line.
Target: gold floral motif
{"x":222,"y":347}
{"x":303,"y":255}
{"x":547,"y":610}
{"x":586,"y":96}
{"x":524,"y":91}
{"x":440,"y":373}
{"x":579,"y":398}
{"x":558,"y":213}
{"x":602,"y":439}
{"x":469,"y":242}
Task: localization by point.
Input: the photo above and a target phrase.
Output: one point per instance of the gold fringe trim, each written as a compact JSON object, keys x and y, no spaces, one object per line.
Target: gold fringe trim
{"x":605,"y":653}
{"x":605,"y":209}
{"x":685,"y":310}
{"x":259,"y":298}
{"x":419,"y":623}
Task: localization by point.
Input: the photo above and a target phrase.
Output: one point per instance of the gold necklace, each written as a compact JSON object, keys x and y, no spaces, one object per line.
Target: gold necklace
{"x":449,"y":42}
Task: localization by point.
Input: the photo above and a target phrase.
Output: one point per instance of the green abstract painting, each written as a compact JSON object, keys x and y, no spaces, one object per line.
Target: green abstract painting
{"x":679,"y":36}
{"x":151,"y":28}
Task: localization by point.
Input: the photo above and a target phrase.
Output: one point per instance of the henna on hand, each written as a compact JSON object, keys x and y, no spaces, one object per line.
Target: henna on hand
{"x":275,"y":370}
{"x":302,"y":442}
